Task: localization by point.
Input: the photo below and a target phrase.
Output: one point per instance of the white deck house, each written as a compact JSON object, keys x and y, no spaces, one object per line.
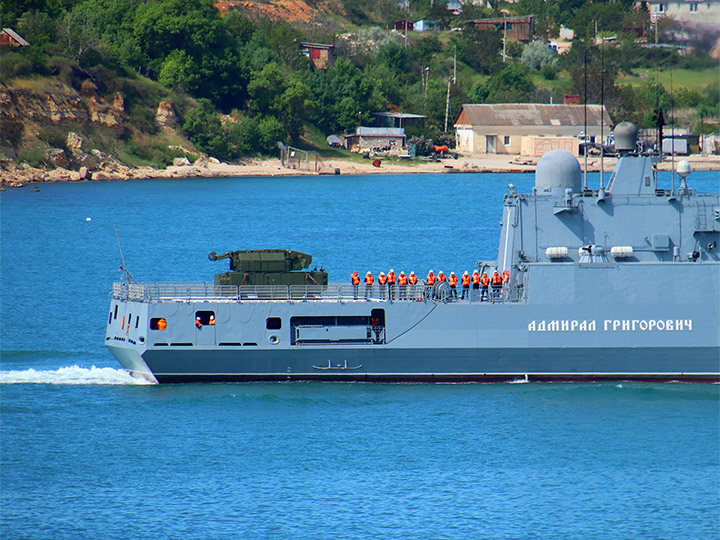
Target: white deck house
{"x":529,"y":129}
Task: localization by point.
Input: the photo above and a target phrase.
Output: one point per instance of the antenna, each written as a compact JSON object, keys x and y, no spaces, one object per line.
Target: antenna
{"x":585,"y":138}
{"x":128,"y":275}
{"x":602,"y":107}
{"x":672,"y":130}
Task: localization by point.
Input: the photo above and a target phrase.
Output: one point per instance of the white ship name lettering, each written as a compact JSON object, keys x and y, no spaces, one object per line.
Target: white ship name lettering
{"x":613,"y":325}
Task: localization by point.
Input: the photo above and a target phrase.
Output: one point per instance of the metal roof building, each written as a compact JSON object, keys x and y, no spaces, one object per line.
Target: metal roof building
{"x":526,"y":128}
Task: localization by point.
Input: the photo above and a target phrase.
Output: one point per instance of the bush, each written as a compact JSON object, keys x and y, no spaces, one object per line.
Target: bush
{"x":537,"y":55}
{"x":33,"y":155}
{"x":549,"y":72}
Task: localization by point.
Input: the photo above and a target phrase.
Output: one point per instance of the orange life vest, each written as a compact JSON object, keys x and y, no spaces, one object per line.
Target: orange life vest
{"x":476,"y":277}
{"x":368,"y":279}
{"x":402,"y":279}
{"x":496,"y":279}
{"x":466,"y":279}
{"x":391,"y":277}
{"x":452,"y":280}
{"x":431,"y":279}
{"x":441,"y":277}
{"x":413,"y":279}
{"x":506,"y":276}
{"x":382,"y":279}
{"x":485,"y":280}
{"x":355,"y":278}
{"x":162,"y":324}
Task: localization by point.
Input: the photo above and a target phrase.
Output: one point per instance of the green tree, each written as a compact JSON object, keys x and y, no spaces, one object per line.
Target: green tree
{"x":179,"y":71}
{"x":511,"y":85}
{"x":270,"y":132}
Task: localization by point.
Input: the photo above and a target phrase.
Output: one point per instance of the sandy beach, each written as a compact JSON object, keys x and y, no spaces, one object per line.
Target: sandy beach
{"x":17,"y":176}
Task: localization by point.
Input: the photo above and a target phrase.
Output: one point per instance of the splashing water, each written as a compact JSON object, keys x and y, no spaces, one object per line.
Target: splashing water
{"x":71,"y":375}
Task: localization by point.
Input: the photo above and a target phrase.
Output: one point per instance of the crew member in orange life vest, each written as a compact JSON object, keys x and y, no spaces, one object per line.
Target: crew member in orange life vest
{"x":484,"y":283}
{"x":496,"y":283}
{"x":212,"y":320}
{"x":476,"y":279}
{"x":382,"y":280}
{"x":368,"y":284}
{"x":402,"y":282}
{"x":355,"y":283}
{"x":198,"y":322}
{"x":441,"y":277}
{"x":465,"y":284}
{"x":391,"y":279}
{"x":452,"y":281}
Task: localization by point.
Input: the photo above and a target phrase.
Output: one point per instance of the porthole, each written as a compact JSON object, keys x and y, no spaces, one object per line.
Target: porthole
{"x":274,"y":339}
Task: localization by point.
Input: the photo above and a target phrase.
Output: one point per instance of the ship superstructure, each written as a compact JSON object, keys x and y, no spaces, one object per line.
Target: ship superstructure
{"x":619,"y":282}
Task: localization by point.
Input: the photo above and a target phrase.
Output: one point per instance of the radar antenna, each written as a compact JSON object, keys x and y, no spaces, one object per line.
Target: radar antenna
{"x":123,"y":267}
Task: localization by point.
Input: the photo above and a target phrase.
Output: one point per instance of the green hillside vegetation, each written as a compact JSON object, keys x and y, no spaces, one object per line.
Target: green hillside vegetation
{"x":239,"y":84}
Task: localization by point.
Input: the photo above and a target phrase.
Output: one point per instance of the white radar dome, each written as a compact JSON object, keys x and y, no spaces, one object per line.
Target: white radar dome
{"x":558,"y":169}
{"x":625,"y":136}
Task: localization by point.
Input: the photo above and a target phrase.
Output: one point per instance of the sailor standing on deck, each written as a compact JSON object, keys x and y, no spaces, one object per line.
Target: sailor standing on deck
{"x":496,"y":284}
{"x":484,"y":283}
{"x":368,"y":284}
{"x":382,"y":280}
{"x":452,"y":281}
{"x":402,"y":282}
{"x":355,"y":283}
{"x":412,"y":279}
{"x":391,"y":279}
{"x":465,"y":285}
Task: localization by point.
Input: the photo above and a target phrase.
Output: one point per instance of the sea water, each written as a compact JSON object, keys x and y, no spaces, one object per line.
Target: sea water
{"x":89,"y":452}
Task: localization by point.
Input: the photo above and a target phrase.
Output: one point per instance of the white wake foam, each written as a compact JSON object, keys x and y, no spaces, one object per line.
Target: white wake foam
{"x":71,"y":375}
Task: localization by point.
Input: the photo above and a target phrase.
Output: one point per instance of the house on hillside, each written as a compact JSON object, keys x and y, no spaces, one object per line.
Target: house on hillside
{"x":321,"y":56}
{"x":9,"y":37}
{"x":514,"y":28}
{"x":530,"y":129}
{"x":687,"y":11}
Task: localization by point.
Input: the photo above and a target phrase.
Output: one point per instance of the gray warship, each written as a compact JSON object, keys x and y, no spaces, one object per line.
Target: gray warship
{"x":635,"y":295}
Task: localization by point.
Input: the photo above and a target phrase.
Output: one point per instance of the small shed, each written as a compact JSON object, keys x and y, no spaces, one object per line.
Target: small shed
{"x":396,"y":119}
{"x":376,"y":138}
{"x":11,"y":38}
{"x":423,"y":25}
{"x":321,"y":56}
{"x":515,"y":28}
{"x":404,"y":24}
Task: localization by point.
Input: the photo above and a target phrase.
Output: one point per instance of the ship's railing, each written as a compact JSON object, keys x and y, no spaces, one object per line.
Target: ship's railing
{"x":333,"y":292}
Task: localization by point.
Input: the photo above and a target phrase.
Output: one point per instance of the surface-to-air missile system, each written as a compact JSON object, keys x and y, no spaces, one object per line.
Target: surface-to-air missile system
{"x":268,"y":267}
{"x":611,"y":282}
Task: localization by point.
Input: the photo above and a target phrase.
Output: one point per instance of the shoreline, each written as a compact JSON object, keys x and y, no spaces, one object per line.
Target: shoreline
{"x":16,"y":176}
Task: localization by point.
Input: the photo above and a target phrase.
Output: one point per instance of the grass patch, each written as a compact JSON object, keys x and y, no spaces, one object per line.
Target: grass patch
{"x":681,"y":78}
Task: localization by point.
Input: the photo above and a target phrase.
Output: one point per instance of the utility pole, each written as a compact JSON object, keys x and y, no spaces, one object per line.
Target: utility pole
{"x":447,"y":104}
{"x":455,"y":65}
{"x":504,"y":36}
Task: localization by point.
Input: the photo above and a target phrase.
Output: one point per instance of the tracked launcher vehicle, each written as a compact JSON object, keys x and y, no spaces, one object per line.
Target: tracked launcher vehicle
{"x":635,"y":273}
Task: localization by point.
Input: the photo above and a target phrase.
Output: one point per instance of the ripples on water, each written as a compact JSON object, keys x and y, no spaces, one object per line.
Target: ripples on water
{"x":89,"y":452}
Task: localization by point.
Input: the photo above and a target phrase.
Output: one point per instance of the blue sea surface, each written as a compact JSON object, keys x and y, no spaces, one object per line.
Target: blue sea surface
{"x":89,"y":452}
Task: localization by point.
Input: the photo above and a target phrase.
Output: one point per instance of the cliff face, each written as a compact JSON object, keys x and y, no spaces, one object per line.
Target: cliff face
{"x":23,"y":107}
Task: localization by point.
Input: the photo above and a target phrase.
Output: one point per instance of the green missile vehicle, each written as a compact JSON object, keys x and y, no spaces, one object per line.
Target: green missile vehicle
{"x":268,"y":267}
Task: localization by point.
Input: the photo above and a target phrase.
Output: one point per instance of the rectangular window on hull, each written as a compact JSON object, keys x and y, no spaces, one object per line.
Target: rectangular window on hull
{"x":158,"y":323}
{"x":273,"y":323}
{"x":115,"y":316}
{"x":203,"y":318}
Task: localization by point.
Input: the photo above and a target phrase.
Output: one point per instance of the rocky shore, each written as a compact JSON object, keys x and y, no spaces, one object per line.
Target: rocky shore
{"x":97,"y":166}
